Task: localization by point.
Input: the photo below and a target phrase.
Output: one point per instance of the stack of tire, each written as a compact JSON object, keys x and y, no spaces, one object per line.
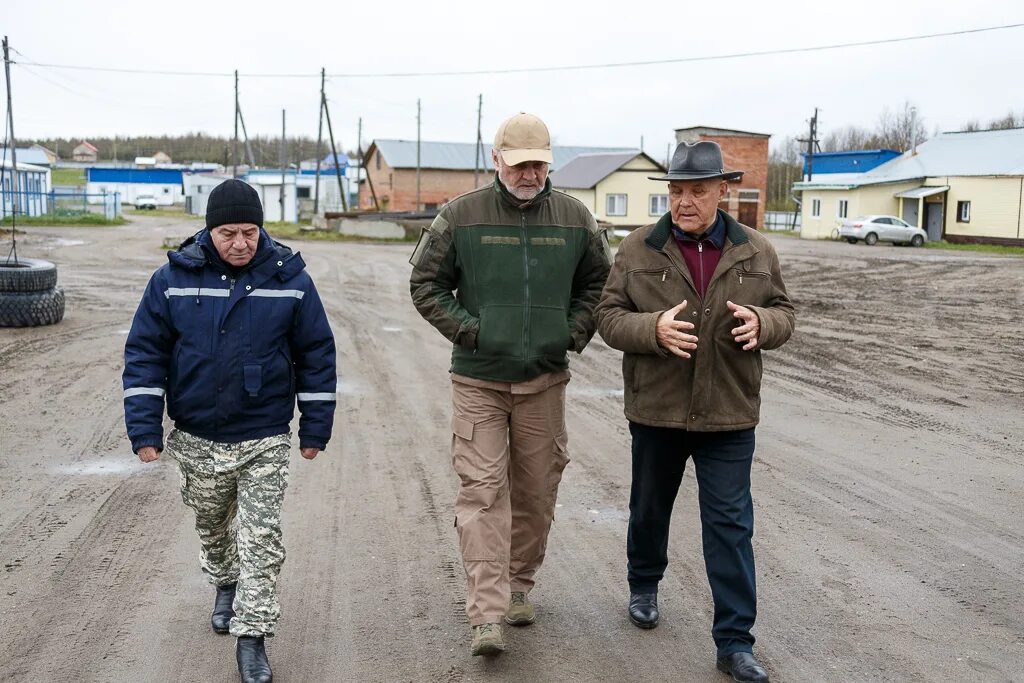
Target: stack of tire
{"x":29,"y":295}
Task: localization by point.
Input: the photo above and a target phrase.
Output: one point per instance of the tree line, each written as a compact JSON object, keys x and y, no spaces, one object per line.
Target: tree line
{"x":901,"y":130}
{"x":266,"y":149}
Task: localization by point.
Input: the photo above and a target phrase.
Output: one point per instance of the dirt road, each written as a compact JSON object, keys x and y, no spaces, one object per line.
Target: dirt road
{"x":888,"y":483}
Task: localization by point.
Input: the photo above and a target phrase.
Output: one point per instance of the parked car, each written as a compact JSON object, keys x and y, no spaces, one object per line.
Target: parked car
{"x":145,"y":201}
{"x":874,"y":229}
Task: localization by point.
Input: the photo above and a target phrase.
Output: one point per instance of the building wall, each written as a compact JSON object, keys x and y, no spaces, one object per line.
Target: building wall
{"x":638,"y":189}
{"x":396,"y":188}
{"x":870,"y":199}
{"x":588,"y":197}
{"x":166,"y":194}
{"x":996,"y":209}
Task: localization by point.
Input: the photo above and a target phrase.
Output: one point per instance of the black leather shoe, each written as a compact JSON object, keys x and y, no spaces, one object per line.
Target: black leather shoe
{"x":222,"y":611}
{"x":743,"y":667}
{"x":253,"y":665}
{"x":643,"y":609}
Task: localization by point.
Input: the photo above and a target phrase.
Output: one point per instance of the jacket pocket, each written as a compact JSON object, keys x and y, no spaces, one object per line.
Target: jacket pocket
{"x":501,"y":331}
{"x":549,"y":332}
{"x":252,"y":379}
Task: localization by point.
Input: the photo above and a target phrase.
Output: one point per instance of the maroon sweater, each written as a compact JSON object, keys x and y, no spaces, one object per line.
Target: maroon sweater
{"x":701,"y":253}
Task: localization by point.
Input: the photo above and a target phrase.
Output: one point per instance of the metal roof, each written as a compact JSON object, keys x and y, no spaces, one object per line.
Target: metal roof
{"x":587,"y":170}
{"x":461,"y":156}
{"x":978,"y":153}
{"x":27,"y":155}
{"x":714,"y":130}
{"x":918,"y":192}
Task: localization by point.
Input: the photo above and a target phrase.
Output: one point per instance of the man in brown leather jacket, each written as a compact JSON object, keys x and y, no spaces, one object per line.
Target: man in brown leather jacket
{"x":692,"y":301}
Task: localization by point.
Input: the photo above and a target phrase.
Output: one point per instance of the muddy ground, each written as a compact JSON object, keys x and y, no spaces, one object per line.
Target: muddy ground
{"x":888,"y":484}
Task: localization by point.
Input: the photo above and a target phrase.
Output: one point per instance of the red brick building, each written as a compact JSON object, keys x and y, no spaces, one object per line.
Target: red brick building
{"x":742,"y":151}
{"x":446,"y":171}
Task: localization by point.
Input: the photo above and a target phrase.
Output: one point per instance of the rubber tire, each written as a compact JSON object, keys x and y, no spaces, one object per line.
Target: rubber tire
{"x":871,"y":239}
{"x":917,"y":241}
{"x":851,"y":240}
{"x":30,"y":275}
{"x":31,"y":309}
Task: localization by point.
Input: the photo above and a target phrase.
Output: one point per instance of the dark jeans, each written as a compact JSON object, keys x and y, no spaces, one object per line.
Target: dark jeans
{"x":722,"y":464}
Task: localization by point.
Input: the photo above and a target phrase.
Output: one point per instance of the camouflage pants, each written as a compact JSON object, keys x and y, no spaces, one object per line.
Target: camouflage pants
{"x":236,"y":491}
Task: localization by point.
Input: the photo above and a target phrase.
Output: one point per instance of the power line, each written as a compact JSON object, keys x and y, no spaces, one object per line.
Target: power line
{"x":538,"y":69}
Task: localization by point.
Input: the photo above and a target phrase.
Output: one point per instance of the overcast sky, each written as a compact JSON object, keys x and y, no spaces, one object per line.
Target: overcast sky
{"x":949,"y":79}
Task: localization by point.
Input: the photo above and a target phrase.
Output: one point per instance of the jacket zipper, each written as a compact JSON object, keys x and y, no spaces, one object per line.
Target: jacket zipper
{"x":700,"y":258}
{"x":526,"y":289}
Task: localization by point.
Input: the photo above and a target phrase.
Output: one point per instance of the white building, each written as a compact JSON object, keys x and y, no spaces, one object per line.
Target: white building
{"x":31,"y":193}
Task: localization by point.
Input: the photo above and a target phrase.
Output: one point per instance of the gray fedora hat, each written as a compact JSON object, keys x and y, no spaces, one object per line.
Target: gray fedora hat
{"x":698,"y":161}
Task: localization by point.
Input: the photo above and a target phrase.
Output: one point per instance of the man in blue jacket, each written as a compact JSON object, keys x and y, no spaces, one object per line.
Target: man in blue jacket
{"x":231,"y":332}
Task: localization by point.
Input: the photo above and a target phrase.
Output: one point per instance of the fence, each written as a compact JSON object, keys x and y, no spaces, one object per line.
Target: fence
{"x":781,"y":220}
{"x":59,"y":204}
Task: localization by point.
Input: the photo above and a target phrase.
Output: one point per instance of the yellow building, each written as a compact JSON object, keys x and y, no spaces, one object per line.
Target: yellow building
{"x":615,"y":186}
{"x":960,"y":187}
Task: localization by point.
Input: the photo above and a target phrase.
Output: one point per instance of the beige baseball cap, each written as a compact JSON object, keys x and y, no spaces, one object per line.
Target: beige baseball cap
{"x":524,"y":137}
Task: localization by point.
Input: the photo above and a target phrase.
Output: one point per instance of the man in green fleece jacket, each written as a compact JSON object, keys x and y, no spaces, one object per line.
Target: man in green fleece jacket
{"x":510,"y":274}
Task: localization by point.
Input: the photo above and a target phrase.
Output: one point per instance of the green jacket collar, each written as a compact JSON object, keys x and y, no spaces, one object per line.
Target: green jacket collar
{"x":663,"y":230}
{"x":511,"y":200}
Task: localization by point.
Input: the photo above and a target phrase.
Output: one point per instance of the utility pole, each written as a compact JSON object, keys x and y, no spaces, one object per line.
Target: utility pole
{"x":668,"y":154}
{"x":812,"y":143}
{"x":418,"y":120}
{"x":319,"y":143}
{"x":334,"y":152}
{"x":245,"y":139}
{"x":479,"y":151}
{"x":369,"y":180}
{"x":14,"y":157}
{"x":284,"y":163}
{"x":641,"y":143}
{"x":234,"y":143}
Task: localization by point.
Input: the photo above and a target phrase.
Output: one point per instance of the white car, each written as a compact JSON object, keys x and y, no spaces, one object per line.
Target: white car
{"x":145,"y":201}
{"x":874,"y":229}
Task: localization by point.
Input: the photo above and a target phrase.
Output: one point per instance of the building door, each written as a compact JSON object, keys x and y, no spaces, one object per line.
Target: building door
{"x":910,"y":211}
{"x":933,"y":221}
{"x":748,"y":214}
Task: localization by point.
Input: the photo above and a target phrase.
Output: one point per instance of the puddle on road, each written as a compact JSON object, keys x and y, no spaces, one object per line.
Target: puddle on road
{"x":61,"y":242}
{"x":595,"y":392}
{"x":347,"y":387}
{"x":115,"y":465}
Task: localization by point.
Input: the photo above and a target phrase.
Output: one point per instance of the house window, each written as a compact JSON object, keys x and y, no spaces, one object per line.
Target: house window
{"x":615,"y":205}
{"x":963,"y":212}
{"x":302,"y":192}
{"x":843,"y":204}
{"x":815,"y":208}
{"x":659,"y":204}
{"x":750,"y":195}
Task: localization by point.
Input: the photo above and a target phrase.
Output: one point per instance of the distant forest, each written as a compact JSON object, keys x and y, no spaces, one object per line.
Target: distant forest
{"x":266,"y":150}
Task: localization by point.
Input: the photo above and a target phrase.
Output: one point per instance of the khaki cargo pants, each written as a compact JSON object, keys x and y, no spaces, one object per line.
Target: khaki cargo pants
{"x":236,"y":491}
{"x":509,"y":450}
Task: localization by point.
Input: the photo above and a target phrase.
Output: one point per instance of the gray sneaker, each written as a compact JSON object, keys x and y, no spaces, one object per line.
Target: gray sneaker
{"x":487,"y":640}
{"x":520,"y":611}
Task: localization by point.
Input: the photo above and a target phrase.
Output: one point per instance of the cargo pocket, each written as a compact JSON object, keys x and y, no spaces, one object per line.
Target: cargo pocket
{"x":559,"y":459}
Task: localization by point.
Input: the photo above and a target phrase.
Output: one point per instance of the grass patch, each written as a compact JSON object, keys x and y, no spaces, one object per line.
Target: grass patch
{"x":74,"y":177}
{"x":293,"y":231}
{"x":162,"y":213}
{"x":67,"y":219}
{"x":983,"y":248}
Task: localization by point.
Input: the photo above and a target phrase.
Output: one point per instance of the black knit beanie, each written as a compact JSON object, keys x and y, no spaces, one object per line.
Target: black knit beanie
{"x":233,"y":201}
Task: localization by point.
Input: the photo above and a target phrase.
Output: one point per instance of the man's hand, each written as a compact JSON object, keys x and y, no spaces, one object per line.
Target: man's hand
{"x":148,"y":454}
{"x":671,"y":333}
{"x":746,"y":333}
{"x":309,"y":453}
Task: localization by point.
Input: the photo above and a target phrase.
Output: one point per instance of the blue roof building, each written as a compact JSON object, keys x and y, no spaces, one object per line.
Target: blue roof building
{"x":855,"y":161}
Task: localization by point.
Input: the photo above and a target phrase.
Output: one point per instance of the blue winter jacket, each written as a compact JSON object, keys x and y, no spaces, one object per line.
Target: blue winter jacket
{"x":230,"y":350}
